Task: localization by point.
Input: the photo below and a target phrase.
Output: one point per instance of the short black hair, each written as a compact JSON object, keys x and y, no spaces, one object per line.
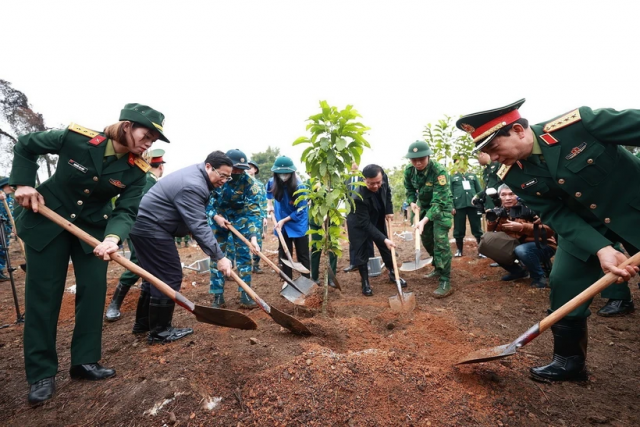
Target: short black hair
{"x":217,"y":159}
{"x":371,"y":171}
{"x":505,"y":130}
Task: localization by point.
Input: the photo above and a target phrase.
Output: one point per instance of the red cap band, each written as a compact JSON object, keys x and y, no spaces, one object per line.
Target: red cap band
{"x":508,"y":118}
{"x":156,"y":160}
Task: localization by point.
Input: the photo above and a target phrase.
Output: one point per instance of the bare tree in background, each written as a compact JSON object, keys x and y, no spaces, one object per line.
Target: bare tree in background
{"x":18,"y":118}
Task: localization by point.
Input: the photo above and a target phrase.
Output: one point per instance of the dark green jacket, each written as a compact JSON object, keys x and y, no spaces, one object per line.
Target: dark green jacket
{"x":432,"y":188}
{"x":587,"y":185}
{"x":79,"y":190}
{"x":461,"y":197}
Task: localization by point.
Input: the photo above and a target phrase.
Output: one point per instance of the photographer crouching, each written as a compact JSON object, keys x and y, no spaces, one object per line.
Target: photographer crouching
{"x":515,"y":232}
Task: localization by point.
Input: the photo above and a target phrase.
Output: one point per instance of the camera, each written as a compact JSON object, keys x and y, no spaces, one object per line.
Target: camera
{"x":481,"y":201}
{"x":517,"y":211}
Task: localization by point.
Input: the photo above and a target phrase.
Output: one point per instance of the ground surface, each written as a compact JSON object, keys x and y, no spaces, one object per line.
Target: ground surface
{"x":364,"y":366}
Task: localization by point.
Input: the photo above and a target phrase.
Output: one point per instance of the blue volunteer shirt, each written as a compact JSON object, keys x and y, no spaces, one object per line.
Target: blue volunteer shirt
{"x":299,"y":223}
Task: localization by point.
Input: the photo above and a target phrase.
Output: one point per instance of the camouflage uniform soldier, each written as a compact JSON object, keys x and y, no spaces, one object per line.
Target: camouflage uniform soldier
{"x":430,"y":182}
{"x":8,"y":227}
{"x":238,"y":203}
{"x":253,"y":171}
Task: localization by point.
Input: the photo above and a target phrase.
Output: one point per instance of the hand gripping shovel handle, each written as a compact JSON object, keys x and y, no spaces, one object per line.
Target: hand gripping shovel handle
{"x":282,"y":242}
{"x":13,"y":224}
{"x":264,"y":258}
{"x":90,"y":240}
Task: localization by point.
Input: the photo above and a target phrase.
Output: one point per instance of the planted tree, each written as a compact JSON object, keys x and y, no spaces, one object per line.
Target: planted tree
{"x":335,"y":141}
{"x":448,"y":143}
{"x":265,"y":160}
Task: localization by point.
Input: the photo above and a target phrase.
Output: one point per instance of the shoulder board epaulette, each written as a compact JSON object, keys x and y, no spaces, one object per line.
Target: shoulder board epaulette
{"x":502,"y":172}
{"x":139,"y":162}
{"x":96,"y":138}
{"x":566,"y":120}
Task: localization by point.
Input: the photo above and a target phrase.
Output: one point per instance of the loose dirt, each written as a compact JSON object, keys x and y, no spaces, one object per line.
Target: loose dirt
{"x":364,"y":366}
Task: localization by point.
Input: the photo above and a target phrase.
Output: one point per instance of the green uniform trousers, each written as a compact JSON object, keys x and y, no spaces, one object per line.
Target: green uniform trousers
{"x":570,"y":276}
{"x":435,"y":239}
{"x":460,"y":223}
{"x":128,"y":278}
{"x":43,"y":298}
{"x":316,"y":255}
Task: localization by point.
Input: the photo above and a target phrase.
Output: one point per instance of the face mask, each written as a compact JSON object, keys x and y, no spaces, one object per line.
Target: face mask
{"x":284,"y":177}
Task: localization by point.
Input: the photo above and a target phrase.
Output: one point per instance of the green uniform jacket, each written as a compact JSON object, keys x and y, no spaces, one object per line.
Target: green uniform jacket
{"x":587,"y":185}
{"x":80,"y":190}
{"x":461,"y":197}
{"x":432,"y":187}
{"x":150,"y":182}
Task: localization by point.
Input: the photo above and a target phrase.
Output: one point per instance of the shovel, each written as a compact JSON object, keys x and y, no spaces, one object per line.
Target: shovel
{"x":418,"y":263}
{"x":404,"y":301}
{"x":282,"y":319}
{"x":487,"y":354}
{"x":289,"y":262}
{"x":296,"y":290}
{"x":213,"y":316}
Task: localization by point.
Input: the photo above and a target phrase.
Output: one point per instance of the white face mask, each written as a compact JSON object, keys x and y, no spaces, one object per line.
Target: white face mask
{"x":284,"y":177}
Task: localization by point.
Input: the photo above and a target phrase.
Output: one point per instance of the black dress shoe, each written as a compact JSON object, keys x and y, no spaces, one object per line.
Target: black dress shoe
{"x":91,"y":371}
{"x":42,"y":390}
{"x":616,"y":307}
{"x":350,"y":268}
{"x":392,"y":279}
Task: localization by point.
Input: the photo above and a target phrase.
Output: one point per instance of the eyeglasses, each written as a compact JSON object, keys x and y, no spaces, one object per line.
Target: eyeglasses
{"x":226,"y":178}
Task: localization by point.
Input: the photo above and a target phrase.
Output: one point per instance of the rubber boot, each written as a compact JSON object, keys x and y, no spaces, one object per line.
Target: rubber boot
{"x":160,"y":316}
{"x":569,"y":353}
{"x":459,"y":245}
{"x":256,"y":267}
{"x":444,"y":289}
{"x":364,"y":276}
{"x":218,"y":301}
{"x":141,"y":324}
{"x":246,"y":301}
{"x":113,"y":311}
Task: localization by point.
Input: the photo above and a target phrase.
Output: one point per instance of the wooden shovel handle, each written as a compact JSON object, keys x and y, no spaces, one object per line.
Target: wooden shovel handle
{"x":393,"y":252}
{"x":585,"y":295}
{"x":281,"y":237}
{"x":248,"y":243}
{"x":13,"y":224}
{"x":136,"y":269}
{"x":416,"y":219}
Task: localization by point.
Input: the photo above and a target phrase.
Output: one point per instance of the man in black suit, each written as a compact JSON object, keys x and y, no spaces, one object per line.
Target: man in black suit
{"x":366,"y":223}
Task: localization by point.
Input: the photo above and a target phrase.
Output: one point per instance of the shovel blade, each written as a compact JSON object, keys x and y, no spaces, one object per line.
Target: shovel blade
{"x":406,"y":304}
{"x":222,"y":317}
{"x":288,"y":322}
{"x":488,"y":354}
{"x":293,"y":295}
{"x":413,"y":266}
{"x":306,"y":285}
{"x":296,"y":266}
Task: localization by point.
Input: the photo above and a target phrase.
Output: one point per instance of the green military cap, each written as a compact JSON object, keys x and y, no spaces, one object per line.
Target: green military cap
{"x":283,"y":164}
{"x":255,"y":165}
{"x":419,"y":149}
{"x":146,"y":116}
{"x":484,"y":126}
{"x":156,"y":157}
{"x":238,"y":158}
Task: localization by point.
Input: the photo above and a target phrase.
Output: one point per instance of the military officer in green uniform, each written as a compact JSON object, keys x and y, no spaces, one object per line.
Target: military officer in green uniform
{"x":93,"y":167}
{"x":427,"y":187}
{"x":128,"y":279}
{"x":490,"y":178}
{"x":570,"y":170}
{"x":5,"y":195}
{"x":464,"y":185}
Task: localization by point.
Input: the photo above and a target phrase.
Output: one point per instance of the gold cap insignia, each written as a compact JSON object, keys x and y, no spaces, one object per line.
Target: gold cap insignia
{"x":242,"y":159}
{"x":467,"y":128}
{"x":415,"y":149}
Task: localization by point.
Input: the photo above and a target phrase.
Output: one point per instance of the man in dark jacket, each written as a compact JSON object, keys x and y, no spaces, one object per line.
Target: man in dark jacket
{"x":174,"y":207}
{"x":366,"y":223}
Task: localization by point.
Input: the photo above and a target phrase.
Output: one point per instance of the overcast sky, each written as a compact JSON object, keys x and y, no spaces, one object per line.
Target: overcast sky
{"x":247,"y":74}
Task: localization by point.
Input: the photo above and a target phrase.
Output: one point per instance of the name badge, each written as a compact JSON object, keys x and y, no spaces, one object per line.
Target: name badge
{"x":466,"y":185}
{"x":78,"y":166}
